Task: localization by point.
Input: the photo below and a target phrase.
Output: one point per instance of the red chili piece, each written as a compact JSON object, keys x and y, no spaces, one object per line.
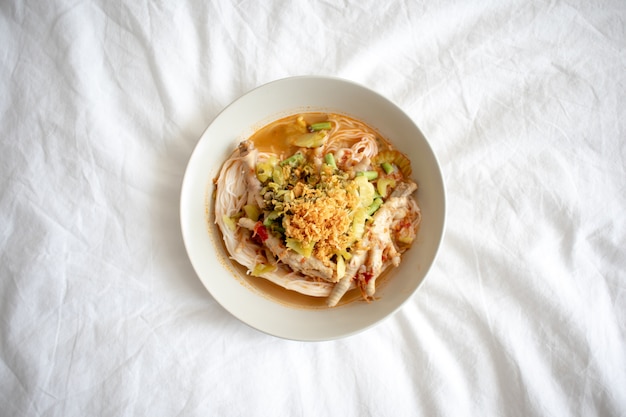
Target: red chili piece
{"x":261,"y":231}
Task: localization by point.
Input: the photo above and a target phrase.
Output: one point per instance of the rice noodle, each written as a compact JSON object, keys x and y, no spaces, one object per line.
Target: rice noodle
{"x":351,"y":141}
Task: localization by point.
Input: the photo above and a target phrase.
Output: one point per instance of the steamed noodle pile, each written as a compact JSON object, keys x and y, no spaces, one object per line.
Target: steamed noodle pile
{"x":354,"y":147}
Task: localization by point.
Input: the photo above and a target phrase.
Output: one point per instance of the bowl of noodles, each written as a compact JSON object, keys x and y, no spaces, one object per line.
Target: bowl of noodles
{"x":312,"y":208}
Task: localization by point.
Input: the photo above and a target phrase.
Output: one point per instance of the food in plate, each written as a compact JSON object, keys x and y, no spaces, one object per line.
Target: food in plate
{"x":318,"y":204}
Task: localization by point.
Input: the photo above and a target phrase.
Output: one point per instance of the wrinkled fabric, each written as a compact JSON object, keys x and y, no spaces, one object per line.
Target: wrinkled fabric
{"x":523,"y":314}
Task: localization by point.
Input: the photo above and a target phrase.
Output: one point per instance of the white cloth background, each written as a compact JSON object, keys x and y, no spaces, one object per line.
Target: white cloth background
{"x":101,"y":104}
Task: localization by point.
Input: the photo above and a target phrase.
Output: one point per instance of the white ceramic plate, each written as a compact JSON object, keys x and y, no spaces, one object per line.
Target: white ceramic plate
{"x":237,"y":122}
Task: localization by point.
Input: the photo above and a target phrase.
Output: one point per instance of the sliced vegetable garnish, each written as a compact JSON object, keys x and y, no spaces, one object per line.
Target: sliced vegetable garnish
{"x":387,"y":167}
{"x":264,"y":171}
{"x":320,"y":126}
{"x":300,"y":247}
{"x":406,"y":234}
{"x":229,"y":222}
{"x":252,"y":211}
{"x":384,"y":186}
{"x":311,"y":140}
{"x":374,"y":206}
{"x":394,"y":157}
{"x":365,"y":189}
{"x":357,"y":229}
{"x":278,"y":176}
{"x":294,"y":160}
{"x":370,"y":175}
{"x":271,"y":217}
{"x":260,"y":269}
{"x":329,"y":158}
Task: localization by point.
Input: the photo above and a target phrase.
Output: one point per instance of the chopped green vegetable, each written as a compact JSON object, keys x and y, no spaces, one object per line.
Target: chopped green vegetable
{"x":294,"y":160}
{"x":370,"y":175}
{"x":365,"y":189}
{"x":252,"y":211}
{"x":271,"y":186}
{"x":357,"y":229}
{"x":299,"y":247}
{"x":320,"y":126}
{"x":269,"y":219}
{"x":397,"y":158}
{"x":374,"y":206}
{"x":406,"y":235}
{"x":276,"y":227}
{"x":387,"y":167}
{"x":311,"y":140}
{"x":383,"y":185}
{"x":229,"y":222}
{"x":278,"y":176}
{"x":406,"y":239}
{"x":260,"y":269}
{"x":263,"y":171}
{"x":330,"y":160}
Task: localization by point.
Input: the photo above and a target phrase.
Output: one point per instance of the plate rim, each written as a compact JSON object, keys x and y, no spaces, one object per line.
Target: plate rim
{"x":186,"y":184}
